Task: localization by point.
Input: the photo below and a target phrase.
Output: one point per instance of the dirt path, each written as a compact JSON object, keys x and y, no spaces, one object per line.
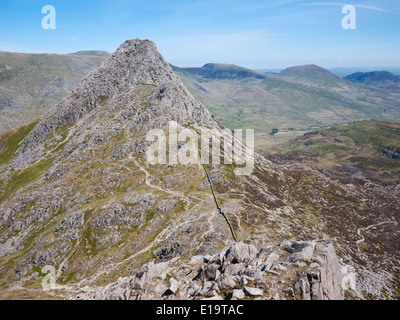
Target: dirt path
{"x":358,"y":242}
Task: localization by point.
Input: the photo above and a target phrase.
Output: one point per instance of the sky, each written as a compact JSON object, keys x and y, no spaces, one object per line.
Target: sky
{"x":267,"y":34}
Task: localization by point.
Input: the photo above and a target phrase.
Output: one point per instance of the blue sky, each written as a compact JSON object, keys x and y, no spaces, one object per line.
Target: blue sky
{"x":254,"y":34}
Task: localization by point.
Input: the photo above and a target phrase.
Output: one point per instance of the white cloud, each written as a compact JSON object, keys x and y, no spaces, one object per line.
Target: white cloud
{"x":340,"y":4}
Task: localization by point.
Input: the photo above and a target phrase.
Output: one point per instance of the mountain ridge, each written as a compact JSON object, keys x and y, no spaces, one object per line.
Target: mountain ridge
{"x":77,"y":193}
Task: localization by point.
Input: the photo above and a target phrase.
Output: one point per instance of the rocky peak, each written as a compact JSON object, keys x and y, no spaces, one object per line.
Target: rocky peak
{"x":136,"y":62}
{"x":135,"y":87}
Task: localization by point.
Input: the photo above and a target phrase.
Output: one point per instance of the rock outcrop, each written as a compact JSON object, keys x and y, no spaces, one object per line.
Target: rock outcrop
{"x":240,"y":271}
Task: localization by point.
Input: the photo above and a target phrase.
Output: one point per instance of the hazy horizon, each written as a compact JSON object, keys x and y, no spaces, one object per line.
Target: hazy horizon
{"x":338,"y":70}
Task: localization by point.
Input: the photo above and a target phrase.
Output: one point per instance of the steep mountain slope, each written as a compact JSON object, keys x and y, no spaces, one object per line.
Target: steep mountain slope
{"x":77,"y":193}
{"x":32,"y":83}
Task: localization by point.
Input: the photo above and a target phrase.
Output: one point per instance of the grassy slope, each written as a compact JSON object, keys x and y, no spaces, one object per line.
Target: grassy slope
{"x":368,"y":146}
{"x":284,"y":103}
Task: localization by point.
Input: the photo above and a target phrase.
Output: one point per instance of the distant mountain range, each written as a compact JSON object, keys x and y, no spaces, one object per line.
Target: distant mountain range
{"x":295,"y":99}
{"x":342,"y":72}
{"x":298,"y":98}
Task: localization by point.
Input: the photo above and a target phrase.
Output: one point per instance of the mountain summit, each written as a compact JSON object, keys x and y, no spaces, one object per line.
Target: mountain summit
{"x":136,"y":71}
{"x":78,"y":197}
{"x":311,"y":74}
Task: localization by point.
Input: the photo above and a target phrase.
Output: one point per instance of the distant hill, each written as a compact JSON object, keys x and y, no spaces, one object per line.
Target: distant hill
{"x":212,"y":71}
{"x":97,"y":53}
{"x":30,"y":84}
{"x":381,"y":79}
{"x":345,"y":71}
{"x":312,"y":75}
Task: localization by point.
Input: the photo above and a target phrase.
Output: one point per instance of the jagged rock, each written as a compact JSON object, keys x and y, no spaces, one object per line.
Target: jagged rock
{"x":119,"y":294}
{"x":238,"y":294}
{"x":229,"y":282}
{"x":148,"y":272}
{"x":300,"y":264}
{"x":196,"y":260}
{"x":276,"y":296}
{"x":204,"y":289}
{"x":211,"y":272}
{"x":278,"y":266}
{"x":302,"y":288}
{"x":253,"y":291}
{"x":76,"y":219}
{"x":254,"y":273}
{"x":301,"y":251}
{"x":326,"y":282}
{"x":271,"y":258}
{"x":243,"y":280}
{"x":170,"y":250}
{"x":233,"y":269}
{"x":331,"y":277}
{"x":192,"y":289}
{"x":174,"y":285}
{"x":146,"y":200}
{"x":240,"y":252}
{"x":165,"y":205}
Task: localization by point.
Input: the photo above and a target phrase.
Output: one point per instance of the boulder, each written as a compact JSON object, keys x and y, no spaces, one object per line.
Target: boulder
{"x":301,"y":250}
{"x":254,"y":292}
{"x":240,"y":252}
{"x":238,"y":294}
